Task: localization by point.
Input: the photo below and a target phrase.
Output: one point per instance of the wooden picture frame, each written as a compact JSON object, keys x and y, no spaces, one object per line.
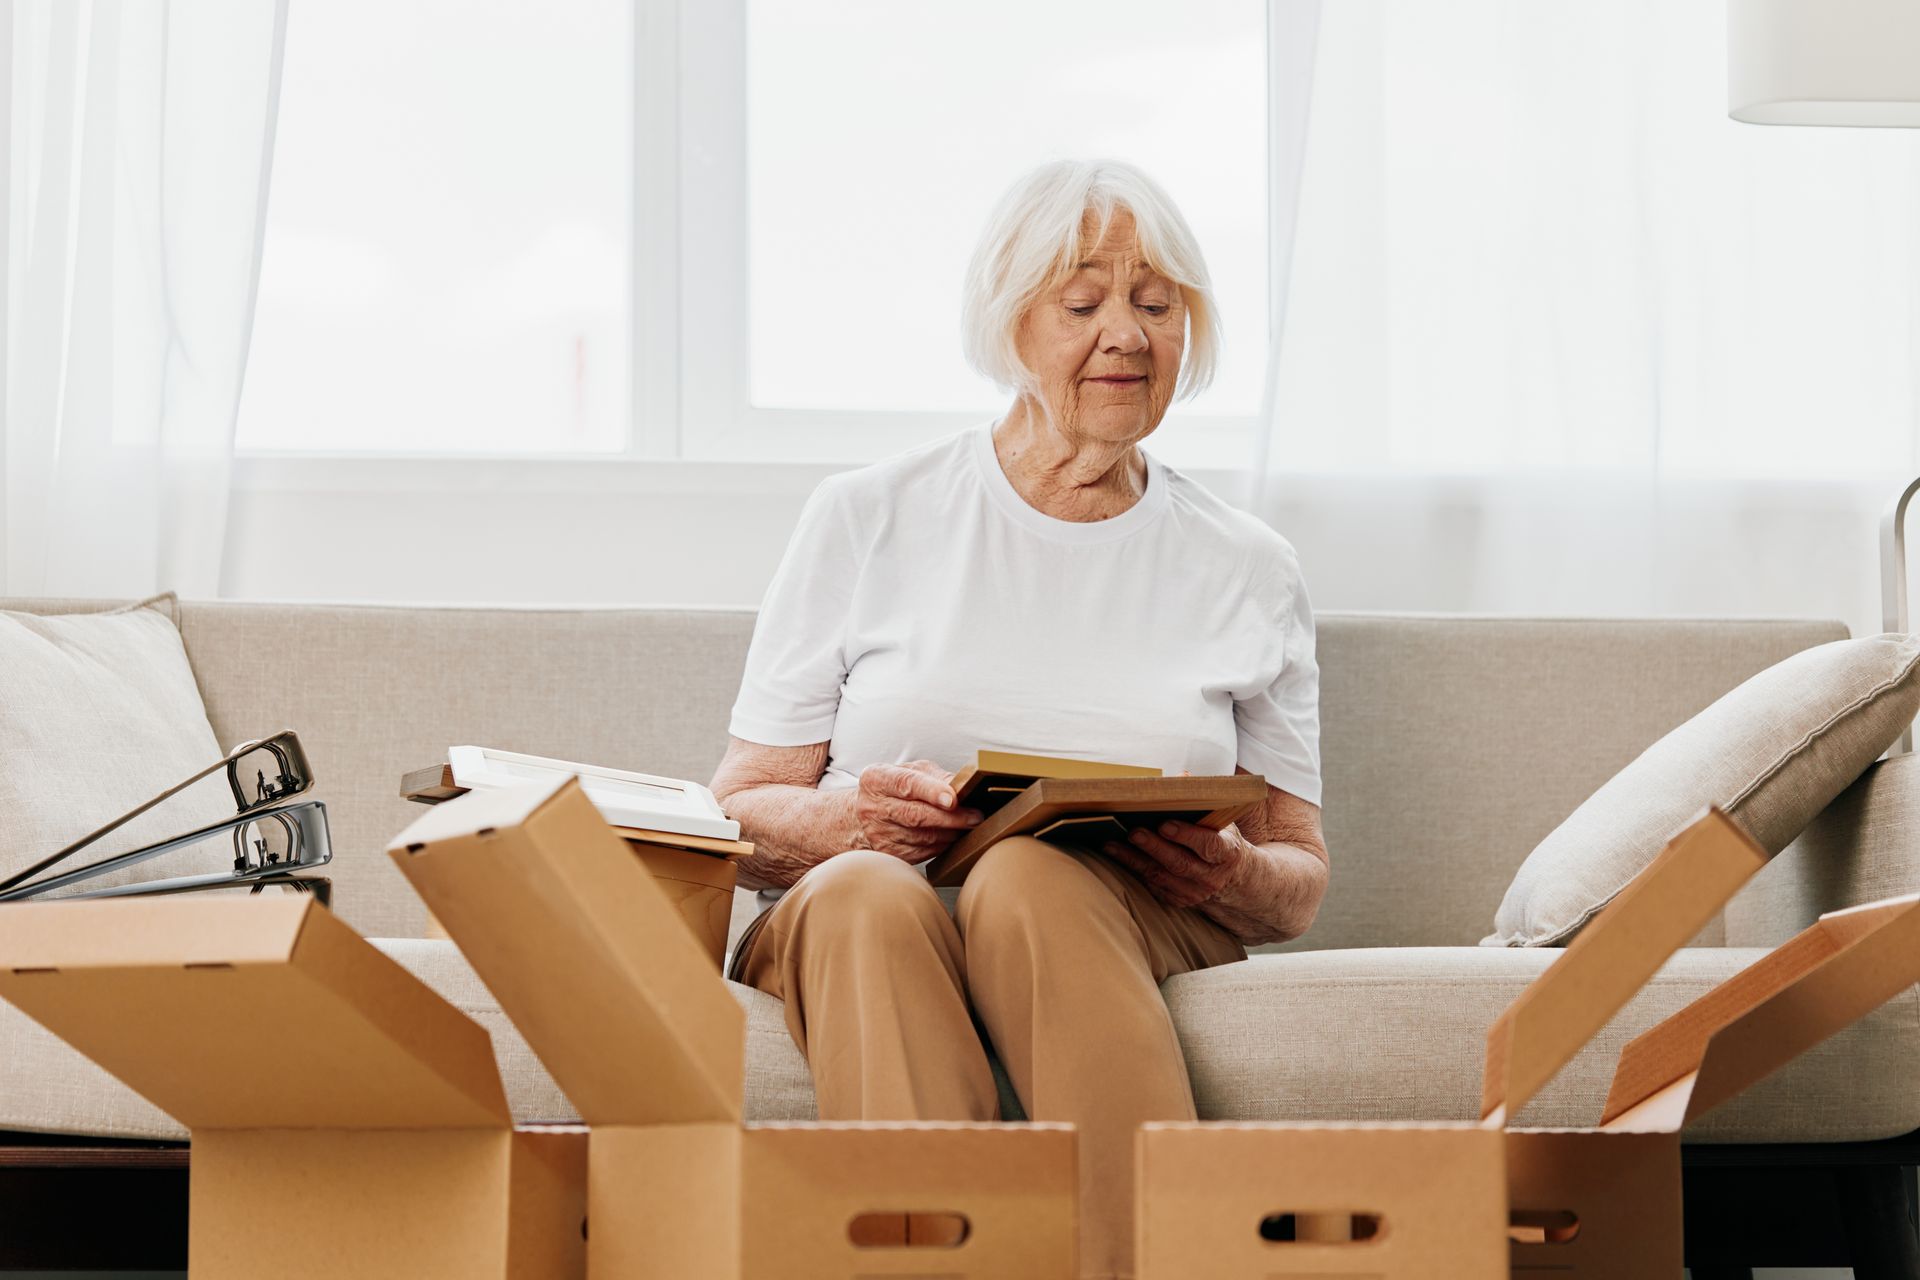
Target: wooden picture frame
{"x":1212,"y":802}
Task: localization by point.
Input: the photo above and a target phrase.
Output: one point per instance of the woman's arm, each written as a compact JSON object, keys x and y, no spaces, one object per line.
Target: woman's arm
{"x":1281,"y":879}
{"x":774,"y":793}
{"x":1261,"y":879}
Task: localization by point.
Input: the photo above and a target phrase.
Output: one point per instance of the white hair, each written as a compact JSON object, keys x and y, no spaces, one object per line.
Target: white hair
{"x":1035,"y":235}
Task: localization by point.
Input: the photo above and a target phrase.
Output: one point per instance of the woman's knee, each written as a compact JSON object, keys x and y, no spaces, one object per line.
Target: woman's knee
{"x":865,"y":883}
{"x":1024,"y":875}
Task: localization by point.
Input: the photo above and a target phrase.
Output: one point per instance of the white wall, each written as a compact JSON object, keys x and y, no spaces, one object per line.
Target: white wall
{"x":620,"y":532}
{"x":543,"y":532}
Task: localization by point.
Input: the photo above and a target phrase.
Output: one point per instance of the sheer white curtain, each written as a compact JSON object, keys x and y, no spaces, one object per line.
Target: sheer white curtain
{"x":139,"y":143}
{"x":1560,"y":337}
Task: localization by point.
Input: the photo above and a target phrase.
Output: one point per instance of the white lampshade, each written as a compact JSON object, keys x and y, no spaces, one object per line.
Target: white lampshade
{"x":1834,"y":62}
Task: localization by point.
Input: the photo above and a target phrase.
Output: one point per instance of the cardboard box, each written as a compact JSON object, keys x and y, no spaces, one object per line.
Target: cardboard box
{"x":346,"y":1120}
{"x":696,"y":871}
{"x":1613,"y":1193}
{"x":1420,"y":1201}
{"x":583,"y":949}
{"x":700,"y":887}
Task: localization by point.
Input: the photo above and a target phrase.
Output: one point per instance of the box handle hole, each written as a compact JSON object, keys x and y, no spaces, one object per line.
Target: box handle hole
{"x":893,"y":1230}
{"x":1325,"y":1227}
{"x":1543,"y":1226}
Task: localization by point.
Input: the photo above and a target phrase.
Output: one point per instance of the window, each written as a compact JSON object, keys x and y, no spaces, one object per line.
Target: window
{"x":879,"y":136}
{"x":723,"y":228}
{"x":1531,"y":240}
{"x":447,"y":252}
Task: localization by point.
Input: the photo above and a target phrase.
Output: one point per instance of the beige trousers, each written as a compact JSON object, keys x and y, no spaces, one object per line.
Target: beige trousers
{"x":1060,"y":953}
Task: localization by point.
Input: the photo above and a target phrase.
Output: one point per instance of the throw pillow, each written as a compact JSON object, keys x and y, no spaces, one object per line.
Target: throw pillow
{"x":98,"y":713}
{"x":1772,"y":753}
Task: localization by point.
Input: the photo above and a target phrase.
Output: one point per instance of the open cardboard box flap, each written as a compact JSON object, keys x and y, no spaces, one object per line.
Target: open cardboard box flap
{"x":477,"y":810}
{"x":1830,"y":975}
{"x":1658,"y":912}
{"x":1438,"y":1194}
{"x":590,"y":958}
{"x":249,"y":1013}
{"x":600,"y":974}
{"x":1615,"y":1193}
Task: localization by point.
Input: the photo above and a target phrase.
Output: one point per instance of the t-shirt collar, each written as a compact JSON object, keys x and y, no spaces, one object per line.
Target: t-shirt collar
{"x":1008,"y":499}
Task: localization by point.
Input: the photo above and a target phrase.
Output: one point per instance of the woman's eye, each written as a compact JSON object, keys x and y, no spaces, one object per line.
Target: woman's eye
{"x":1082,"y":311}
{"x":1155,"y":309}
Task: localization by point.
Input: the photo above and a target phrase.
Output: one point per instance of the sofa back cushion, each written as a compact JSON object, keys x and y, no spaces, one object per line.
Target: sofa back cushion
{"x":1450,"y":745}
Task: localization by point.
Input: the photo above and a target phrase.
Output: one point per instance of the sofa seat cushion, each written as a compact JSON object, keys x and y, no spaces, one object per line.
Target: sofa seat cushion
{"x":48,"y":1087}
{"x":1399,"y":1033}
{"x":1373,"y":1034}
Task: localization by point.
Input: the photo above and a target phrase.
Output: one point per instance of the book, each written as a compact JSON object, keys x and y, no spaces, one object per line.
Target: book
{"x":647,"y":801}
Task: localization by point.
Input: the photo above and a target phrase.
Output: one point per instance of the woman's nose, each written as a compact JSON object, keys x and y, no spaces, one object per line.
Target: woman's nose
{"x":1122,"y":332}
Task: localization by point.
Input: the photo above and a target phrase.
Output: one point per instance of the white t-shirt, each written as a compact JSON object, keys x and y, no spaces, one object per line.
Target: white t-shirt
{"x":924,"y":609}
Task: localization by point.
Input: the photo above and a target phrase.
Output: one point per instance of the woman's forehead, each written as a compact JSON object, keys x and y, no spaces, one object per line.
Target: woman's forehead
{"x":1119,"y":243}
{"x":1118,"y":235}
{"x":1100,"y":265}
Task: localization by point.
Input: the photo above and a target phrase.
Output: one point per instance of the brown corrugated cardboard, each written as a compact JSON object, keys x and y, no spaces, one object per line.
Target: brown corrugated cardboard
{"x":1250,"y":1201}
{"x":578,"y":943}
{"x":699,"y":886}
{"x":777,"y":1202}
{"x":1428,"y":1199}
{"x":696,"y":871}
{"x":569,"y":932}
{"x":345,"y":1119}
{"x":1615,"y":1190}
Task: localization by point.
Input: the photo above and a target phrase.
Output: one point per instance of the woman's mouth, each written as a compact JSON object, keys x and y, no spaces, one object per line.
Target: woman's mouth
{"x":1120,"y":382}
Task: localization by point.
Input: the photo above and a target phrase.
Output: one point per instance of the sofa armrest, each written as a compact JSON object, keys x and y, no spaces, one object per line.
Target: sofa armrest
{"x":1862,"y":847}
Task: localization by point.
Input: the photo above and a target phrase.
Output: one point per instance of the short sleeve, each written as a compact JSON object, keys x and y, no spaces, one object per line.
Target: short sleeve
{"x":790,"y":691}
{"x":1278,"y":728}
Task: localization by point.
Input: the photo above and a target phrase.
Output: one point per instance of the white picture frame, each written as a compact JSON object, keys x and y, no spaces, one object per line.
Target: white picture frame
{"x":625,"y":799}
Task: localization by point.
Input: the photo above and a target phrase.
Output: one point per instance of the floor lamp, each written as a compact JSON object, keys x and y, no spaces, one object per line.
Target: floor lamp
{"x":1834,"y":62}
{"x":1824,"y":62}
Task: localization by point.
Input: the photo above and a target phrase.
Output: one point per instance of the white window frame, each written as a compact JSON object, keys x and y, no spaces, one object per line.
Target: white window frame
{"x":689,"y":392}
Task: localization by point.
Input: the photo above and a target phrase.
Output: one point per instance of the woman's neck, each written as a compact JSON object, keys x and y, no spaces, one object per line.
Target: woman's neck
{"x":1069,"y":479}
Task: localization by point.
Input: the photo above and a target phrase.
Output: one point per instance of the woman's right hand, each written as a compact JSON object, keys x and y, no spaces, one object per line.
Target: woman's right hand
{"x":907,"y":810}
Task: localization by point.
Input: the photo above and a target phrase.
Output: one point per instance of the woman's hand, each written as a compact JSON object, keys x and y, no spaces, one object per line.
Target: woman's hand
{"x":1262,"y":884}
{"x":1183,"y":863}
{"x":907,"y":810}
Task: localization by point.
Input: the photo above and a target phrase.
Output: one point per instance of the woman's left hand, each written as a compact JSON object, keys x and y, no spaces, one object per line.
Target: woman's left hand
{"x":1183,"y":863}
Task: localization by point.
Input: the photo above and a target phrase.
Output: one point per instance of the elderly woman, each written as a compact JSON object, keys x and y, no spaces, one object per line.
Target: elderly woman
{"x":1041,"y":584}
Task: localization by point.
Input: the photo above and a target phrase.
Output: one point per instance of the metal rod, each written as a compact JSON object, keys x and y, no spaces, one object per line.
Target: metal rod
{"x":1893,"y":581}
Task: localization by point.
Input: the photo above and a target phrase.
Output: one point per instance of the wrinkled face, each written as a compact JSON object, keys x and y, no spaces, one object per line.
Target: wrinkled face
{"x":1106,"y":342}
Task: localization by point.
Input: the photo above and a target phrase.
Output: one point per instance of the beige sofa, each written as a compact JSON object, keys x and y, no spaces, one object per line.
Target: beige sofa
{"x":1452,"y":744}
